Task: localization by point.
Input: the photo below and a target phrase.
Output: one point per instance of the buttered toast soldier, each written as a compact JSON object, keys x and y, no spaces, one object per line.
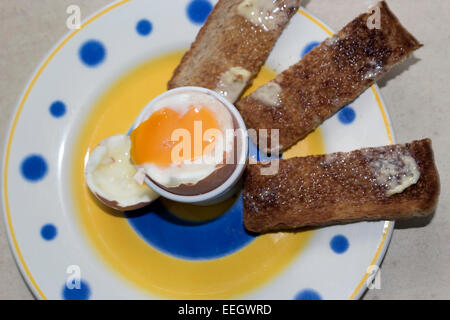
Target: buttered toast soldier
{"x":233,"y":45}
{"x":328,"y":78}
{"x":384,"y":183}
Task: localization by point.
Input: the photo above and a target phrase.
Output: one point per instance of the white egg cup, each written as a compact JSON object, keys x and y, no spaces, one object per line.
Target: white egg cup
{"x":231,"y":185}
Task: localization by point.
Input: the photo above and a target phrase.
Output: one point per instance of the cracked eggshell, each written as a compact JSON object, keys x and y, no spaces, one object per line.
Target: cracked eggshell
{"x":110,"y":176}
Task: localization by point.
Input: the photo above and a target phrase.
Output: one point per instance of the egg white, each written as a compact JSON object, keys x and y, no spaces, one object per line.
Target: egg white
{"x":110,"y":174}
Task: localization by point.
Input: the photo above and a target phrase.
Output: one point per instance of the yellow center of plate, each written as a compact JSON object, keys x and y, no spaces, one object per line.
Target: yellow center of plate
{"x":124,"y":251}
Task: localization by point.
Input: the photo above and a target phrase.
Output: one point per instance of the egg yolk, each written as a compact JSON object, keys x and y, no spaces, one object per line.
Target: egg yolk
{"x":151,"y":141}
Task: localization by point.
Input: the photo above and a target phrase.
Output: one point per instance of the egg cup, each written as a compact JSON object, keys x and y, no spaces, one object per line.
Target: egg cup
{"x":232,"y":182}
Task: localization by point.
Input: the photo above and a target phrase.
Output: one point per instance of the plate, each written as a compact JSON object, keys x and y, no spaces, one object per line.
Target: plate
{"x":92,"y":85}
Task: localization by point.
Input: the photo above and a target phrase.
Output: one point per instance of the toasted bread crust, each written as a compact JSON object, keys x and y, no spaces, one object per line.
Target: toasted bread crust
{"x":335,"y":189}
{"x":226,"y":40}
{"x":331,"y":76}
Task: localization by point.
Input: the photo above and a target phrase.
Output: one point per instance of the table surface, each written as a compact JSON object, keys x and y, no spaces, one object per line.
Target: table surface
{"x":416,"y":93}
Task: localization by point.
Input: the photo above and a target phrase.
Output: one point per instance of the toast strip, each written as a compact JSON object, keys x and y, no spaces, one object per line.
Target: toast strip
{"x":329,"y":77}
{"x":230,"y":48}
{"x":385,"y":183}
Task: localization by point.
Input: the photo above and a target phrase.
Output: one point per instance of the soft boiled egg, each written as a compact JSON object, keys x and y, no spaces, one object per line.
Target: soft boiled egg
{"x":181,"y":138}
{"x":110,"y":176}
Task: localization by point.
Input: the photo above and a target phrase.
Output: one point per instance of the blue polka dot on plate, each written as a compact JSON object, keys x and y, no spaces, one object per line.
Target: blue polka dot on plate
{"x":339,"y":244}
{"x":57,"y":109}
{"x":34,"y":168}
{"x":83,"y":293}
{"x":347,"y":115}
{"x":92,"y":53}
{"x":308,"y":294}
{"x":144,"y":27}
{"x":185,"y":239}
{"x":48,"y":232}
{"x":309,"y":47}
{"x":198,"y":10}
